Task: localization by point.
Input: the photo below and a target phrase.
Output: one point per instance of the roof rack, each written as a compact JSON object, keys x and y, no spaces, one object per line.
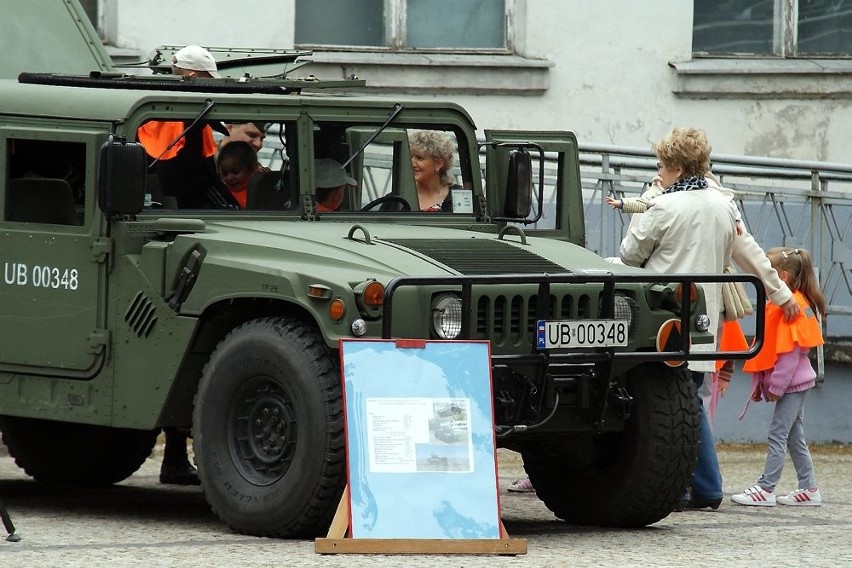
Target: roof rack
{"x":268,"y":85}
{"x":234,"y":62}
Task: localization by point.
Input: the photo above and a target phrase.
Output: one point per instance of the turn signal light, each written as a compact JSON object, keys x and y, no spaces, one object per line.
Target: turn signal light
{"x":336,"y":309}
{"x":319,"y":291}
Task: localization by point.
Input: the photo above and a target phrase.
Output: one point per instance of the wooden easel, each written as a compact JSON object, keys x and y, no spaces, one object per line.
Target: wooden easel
{"x":337,"y":543}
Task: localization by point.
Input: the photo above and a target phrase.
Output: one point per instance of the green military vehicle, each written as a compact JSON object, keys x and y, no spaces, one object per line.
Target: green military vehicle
{"x":123,"y":314}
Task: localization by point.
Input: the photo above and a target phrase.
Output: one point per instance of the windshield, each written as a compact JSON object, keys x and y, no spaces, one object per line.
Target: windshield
{"x":251,"y":165}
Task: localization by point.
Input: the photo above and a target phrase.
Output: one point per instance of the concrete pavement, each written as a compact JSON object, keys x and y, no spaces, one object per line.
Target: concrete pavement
{"x":141,"y":523}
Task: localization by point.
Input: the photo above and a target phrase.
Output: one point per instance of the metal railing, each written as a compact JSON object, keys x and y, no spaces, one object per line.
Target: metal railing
{"x":784,"y":203}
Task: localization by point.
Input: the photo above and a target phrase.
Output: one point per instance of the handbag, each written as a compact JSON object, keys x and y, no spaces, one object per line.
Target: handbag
{"x":734,"y":299}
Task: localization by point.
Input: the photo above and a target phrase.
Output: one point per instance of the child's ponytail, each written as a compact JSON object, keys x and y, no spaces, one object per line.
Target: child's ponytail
{"x":800,"y":269}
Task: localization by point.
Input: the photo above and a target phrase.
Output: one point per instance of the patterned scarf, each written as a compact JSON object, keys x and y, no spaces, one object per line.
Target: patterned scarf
{"x":688,"y":184}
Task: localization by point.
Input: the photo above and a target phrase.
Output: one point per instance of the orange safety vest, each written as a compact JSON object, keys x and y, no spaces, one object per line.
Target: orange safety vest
{"x":781,"y":336}
{"x":732,"y":339}
{"x":155,"y":136}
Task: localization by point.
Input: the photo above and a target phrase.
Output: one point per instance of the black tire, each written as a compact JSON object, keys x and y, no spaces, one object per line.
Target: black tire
{"x":633,"y":478}
{"x":268,"y":430}
{"x":76,"y":454}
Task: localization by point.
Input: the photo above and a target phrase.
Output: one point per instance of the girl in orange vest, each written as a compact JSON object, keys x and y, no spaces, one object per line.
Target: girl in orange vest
{"x":782,"y":373}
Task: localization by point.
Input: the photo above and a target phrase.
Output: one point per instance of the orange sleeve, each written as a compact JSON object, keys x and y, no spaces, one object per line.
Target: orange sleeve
{"x":208,"y":144}
{"x":155,"y":136}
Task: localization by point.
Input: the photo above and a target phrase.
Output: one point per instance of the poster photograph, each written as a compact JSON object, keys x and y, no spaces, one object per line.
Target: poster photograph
{"x":419,"y":434}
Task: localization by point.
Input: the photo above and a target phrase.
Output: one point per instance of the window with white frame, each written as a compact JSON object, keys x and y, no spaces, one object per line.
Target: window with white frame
{"x":775,"y":28}
{"x":402,"y":25}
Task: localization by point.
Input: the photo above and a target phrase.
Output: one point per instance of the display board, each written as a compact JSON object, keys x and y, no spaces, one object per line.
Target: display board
{"x":420,"y":440}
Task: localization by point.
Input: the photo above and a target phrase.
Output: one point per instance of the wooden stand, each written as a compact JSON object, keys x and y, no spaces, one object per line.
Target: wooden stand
{"x":337,"y":543}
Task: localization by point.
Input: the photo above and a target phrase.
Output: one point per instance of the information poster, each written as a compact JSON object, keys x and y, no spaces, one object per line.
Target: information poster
{"x":420,"y":440}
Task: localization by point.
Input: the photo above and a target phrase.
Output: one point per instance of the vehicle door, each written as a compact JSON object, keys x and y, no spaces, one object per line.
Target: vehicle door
{"x":54,"y":260}
{"x":562,"y":199}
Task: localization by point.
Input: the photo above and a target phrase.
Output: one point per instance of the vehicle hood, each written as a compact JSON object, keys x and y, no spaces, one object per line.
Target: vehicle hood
{"x":353,"y":251}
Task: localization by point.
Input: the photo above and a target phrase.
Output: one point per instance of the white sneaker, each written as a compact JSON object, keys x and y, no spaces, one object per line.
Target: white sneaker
{"x":523,"y":485}
{"x":802,"y":497}
{"x":755,"y":496}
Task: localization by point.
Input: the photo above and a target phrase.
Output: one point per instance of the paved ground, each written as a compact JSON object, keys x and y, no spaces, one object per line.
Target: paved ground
{"x":140,"y":523}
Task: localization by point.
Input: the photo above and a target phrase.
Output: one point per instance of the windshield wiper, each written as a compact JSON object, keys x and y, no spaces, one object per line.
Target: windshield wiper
{"x":397,"y":108}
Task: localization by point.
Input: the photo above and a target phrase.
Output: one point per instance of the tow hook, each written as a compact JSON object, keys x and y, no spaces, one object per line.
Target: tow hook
{"x":623,"y":403}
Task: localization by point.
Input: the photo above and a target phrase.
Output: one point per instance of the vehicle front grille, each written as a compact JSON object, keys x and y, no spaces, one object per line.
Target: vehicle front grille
{"x":511,"y":320}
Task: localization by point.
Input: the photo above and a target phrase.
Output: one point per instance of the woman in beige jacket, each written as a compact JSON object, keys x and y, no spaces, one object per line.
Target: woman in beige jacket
{"x":689,"y":229}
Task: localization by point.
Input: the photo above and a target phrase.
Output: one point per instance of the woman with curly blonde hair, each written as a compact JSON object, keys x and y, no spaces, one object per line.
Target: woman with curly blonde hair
{"x":431,"y":160}
{"x":684,"y":157}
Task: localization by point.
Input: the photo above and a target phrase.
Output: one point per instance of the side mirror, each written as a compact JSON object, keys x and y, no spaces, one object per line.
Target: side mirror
{"x":518,"y":185}
{"x":121,"y":180}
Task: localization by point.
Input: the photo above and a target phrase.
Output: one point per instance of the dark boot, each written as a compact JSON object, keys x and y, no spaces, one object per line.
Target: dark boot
{"x":176,"y":469}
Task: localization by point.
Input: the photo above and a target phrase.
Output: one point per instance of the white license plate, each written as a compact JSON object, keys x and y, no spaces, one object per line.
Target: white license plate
{"x":576,"y":334}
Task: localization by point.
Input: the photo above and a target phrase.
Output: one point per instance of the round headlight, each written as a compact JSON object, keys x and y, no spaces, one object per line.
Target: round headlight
{"x":624,"y":308}
{"x":447,"y":316}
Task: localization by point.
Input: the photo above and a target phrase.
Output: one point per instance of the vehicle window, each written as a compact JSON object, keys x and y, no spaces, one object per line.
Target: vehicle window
{"x":236,"y":165}
{"x":402,"y":25}
{"x":786,"y":28}
{"x":46,"y":182}
{"x":408,"y":169}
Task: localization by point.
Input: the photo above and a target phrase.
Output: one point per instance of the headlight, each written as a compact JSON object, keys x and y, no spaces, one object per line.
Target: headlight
{"x":447,"y":316}
{"x":624,"y":308}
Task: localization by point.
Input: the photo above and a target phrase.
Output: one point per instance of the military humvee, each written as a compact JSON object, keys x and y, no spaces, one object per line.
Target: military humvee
{"x":123,"y":314}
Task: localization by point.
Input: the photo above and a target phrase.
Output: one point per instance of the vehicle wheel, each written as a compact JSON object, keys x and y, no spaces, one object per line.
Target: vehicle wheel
{"x":629,"y":479}
{"x":79,"y":454}
{"x":268,"y":430}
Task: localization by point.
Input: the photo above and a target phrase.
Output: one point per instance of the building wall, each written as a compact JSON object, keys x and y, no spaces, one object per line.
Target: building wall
{"x":601,"y":68}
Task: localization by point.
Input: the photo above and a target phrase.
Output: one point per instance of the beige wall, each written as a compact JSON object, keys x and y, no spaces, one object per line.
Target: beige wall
{"x":598,"y":67}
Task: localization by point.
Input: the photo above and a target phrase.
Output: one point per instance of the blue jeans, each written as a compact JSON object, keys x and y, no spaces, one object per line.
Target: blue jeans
{"x":707,"y":478}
